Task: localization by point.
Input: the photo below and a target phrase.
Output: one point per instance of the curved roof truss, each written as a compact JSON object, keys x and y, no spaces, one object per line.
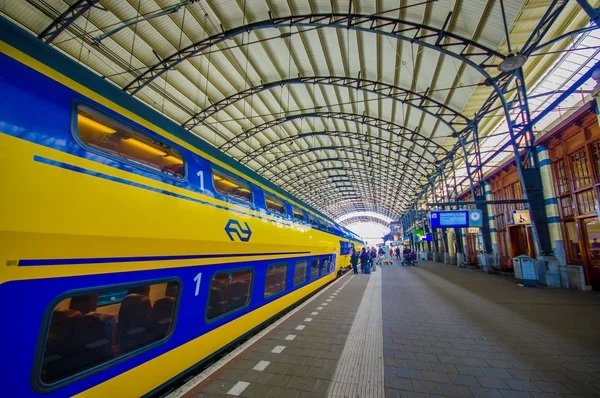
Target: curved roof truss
{"x":420,"y":101}
{"x":363,"y":219}
{"x":394,"y":128}
{"x":340,"y":149}
{"x":360,"y":189}
{"x":394,"y":147}
{"x":471,"y":52}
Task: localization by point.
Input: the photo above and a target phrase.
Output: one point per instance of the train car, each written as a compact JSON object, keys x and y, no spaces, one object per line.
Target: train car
{"x":131,"y":251}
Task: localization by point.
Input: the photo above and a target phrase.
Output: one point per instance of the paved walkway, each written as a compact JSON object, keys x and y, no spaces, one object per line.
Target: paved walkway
{"x":461,"y":333}
{"x":436,"y":330}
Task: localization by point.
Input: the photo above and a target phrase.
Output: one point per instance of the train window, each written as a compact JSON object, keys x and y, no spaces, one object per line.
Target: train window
{"x":275,"y":282}
{"x":101,"y":132}
{"x":275,"y":205}
{"x":300,"y":272}
{"x":229,"y":291}
{"x":87,"y":330}
{"x":324,"y":265}
{"x":298,"y":214}
{"x":345,"y":248}
{"x":313,"y":221}
{"x":314,"y":268}
{"x":232,"y":187}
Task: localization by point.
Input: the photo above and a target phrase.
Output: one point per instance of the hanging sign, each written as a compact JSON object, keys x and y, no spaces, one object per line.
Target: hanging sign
{"x":427,"y":238}
{"x":418,"y":233}
{"x":521,"y":217}
{"x":473,"y":230}
{"x":456,"y":218}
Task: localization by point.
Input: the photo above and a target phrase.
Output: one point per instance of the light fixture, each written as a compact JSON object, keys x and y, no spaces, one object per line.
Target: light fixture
{"x":596,"y":75}
{"x":93,"y":125}
{"x":145,"y":147}
{"x":512,"y":62}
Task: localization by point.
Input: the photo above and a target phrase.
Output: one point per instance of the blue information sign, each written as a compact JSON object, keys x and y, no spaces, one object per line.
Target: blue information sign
{"x":455,"y":219}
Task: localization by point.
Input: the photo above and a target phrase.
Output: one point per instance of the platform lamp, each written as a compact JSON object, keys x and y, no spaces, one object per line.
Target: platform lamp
{"x":512,"y":62}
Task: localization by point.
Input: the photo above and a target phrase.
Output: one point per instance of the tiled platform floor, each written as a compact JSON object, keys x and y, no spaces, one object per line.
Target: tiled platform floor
{"x":446,"y":332}
{"x":461,"y":333}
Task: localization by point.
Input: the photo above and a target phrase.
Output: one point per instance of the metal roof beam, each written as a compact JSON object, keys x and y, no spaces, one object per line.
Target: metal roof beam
{"x":471,"y":52}
{"x":371,"y":121}
{"x":420,"y":101}
{"x":65,"y":19}
{"x":389,"y":145}
{"x":392,"y":162}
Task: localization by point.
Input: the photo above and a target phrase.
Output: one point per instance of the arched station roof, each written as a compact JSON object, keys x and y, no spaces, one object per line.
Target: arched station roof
{"x":350,"y":106}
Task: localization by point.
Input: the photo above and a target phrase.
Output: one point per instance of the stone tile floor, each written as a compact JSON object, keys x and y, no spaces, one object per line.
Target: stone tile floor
{"x":461,"y":333}
{"x":446,"y":332}
{"x":306,"y":364}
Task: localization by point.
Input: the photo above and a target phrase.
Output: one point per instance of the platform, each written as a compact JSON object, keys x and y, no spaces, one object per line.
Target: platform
{"x":439,"y":331}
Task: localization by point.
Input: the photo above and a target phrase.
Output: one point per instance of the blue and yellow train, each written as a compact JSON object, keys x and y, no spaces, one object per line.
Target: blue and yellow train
{"x":130,"y":250}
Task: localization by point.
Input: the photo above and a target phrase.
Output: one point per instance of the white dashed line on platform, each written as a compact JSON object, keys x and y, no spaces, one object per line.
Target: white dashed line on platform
{"x":308,"y":320}
{"x":278,"y":349}
{"x":262,"y":365}
{"x":239,"y":388}
{"x":314,"y":313}
{"x":300,"y":327}
{"x":290,"y":337}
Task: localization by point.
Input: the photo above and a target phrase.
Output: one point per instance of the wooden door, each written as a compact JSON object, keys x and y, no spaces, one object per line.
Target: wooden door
{"x":591,"y":248}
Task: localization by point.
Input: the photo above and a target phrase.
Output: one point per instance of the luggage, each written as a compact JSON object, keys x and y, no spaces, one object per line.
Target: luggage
{"x":367,"y":269}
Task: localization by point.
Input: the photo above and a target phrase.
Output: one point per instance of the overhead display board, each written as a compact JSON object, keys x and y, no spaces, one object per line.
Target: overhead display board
{"x":455,"y":218}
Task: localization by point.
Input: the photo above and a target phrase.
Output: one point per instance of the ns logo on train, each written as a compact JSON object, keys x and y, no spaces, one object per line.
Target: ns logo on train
{"x":235,"y":227}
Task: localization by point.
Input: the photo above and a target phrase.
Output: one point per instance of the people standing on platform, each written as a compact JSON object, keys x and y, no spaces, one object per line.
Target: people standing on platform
{"x":381,"y":256}
{"x":364,"y":258}
{"x":397,"y":253}
{"x":354,"y":261}
{"x":391,"y":253}
{"x":373,"y":256}
{"x":406,"y":255}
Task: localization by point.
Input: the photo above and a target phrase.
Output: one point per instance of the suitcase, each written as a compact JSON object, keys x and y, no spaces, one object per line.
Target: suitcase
{"x":367,"y":269}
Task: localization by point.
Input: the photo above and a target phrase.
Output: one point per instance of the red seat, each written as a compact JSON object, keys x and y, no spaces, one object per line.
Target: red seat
{"x":237,"y":295}
{"x":162,"y":317}
{"x":172,"y":288}
{"x":143,"y":290}
{"x":93,"y":340}
{"x":134,"y":321}
{"x":84,"y":304}
{"x":59,"y":345}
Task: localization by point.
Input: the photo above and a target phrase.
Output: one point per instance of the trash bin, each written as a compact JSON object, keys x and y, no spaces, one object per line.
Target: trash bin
{"x":525,"y":270}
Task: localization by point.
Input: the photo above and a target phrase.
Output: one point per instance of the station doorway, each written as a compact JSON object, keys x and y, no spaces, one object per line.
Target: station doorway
{"x":521,"y":240}
{"x":591,"y":244}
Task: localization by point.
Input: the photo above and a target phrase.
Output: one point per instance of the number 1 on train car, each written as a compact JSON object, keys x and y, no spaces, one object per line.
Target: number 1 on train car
{"x":197,"y":279}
